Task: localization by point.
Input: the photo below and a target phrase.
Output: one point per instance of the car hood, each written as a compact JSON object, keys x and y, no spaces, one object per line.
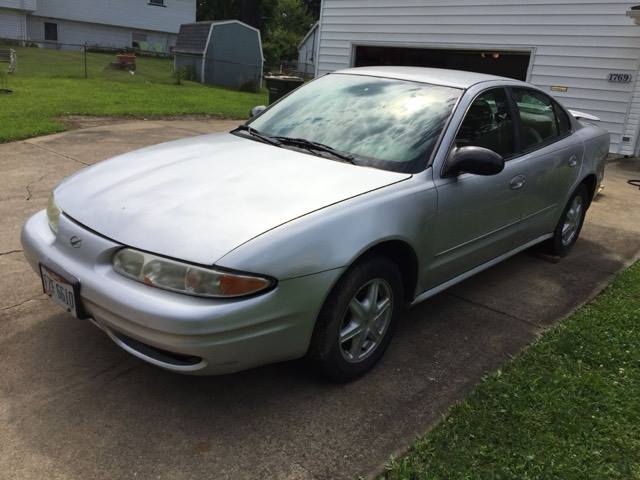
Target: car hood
{"x":199,"y":198}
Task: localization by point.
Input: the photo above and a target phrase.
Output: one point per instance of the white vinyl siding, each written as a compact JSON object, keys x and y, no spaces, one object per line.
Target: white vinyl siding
{"x":574,"y":43}
{"x":25,"y":5}
{"x":79,"y":33}
{"x":132,"y":14}
{"x":13,"y":24}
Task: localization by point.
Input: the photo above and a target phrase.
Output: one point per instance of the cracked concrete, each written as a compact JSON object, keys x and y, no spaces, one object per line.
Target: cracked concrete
{"x":495,"y":310}
{"x":29,"y":187}
{"x":75,"y":406}
{"x":42,"y":147}
{"x":22,"y":302}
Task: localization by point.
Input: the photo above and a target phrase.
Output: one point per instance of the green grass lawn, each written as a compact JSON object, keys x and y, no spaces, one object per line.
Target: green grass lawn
{"x":567,"y":408}
{"x":49,"y":84}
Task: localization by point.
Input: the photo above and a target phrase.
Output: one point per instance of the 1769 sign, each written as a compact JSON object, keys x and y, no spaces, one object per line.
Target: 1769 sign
{"x":620,"y":77}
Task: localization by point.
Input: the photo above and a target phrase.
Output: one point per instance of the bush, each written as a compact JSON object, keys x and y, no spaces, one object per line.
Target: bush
{"x":8,"y":42}
{"x":250,"y":86}
{"x":184,"y":73}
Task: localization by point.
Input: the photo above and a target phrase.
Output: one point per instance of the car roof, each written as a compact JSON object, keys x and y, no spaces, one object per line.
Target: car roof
{"x":434,"y":76}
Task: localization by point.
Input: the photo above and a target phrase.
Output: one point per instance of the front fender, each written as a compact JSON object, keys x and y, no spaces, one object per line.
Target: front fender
{"x":335,"y":236}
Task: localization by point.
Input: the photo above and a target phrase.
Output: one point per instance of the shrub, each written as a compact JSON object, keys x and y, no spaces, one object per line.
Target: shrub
{"x":184,"y":73}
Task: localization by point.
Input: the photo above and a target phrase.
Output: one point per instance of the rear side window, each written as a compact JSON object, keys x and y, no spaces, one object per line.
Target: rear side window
{"x":539,"y":124}
{"x":488,"y":124}
{"x":564,"y":124}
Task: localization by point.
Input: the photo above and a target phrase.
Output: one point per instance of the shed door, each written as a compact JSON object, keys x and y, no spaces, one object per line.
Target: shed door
{"x":494,"y":62}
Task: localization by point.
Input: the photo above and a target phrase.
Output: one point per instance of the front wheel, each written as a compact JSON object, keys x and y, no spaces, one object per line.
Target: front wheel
{"x":357,"y":321}
{"x":570,"y":224}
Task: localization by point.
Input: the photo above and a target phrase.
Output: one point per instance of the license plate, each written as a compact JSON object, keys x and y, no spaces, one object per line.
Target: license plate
{"x":63,"y":291}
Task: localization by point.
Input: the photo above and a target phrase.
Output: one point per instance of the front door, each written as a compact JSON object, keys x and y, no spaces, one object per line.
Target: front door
{"x":478,"y":216}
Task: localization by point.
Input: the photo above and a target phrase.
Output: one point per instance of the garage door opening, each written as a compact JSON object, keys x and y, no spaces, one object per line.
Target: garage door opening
{"x":494,"y":62}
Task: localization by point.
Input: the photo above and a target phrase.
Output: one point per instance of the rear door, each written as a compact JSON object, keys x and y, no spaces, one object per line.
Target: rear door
{"x":477,"y":218}
{"x":550,"y":160}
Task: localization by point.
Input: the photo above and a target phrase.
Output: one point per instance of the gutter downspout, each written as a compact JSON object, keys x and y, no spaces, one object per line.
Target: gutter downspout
{"x":23,"y":24}
{"x":634,"y":14}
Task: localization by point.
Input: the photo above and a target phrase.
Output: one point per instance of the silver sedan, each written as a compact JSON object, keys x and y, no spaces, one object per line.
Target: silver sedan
{"x":307,"y":230}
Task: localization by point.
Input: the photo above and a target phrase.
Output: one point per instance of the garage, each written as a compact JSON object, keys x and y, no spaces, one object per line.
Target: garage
{"x":512,"y":64}
{"x":584,"y":53}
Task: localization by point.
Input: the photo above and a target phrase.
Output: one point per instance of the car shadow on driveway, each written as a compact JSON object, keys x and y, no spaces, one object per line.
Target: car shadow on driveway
{"x":77,"y":405}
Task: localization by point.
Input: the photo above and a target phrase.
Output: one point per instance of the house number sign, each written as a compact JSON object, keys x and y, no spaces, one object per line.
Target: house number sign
{"x":620,"y":77}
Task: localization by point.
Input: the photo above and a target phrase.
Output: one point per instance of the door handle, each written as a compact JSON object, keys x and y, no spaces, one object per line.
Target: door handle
{"x":517,"y":182}
{"x":573,"y":161}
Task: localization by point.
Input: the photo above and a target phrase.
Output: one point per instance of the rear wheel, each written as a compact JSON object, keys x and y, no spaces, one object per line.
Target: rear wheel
{"x":357,"y":321}
{"x":570,"y":224}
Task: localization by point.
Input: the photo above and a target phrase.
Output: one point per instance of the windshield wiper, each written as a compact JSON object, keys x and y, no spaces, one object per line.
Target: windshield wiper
{"x":310,"y":145}
{"x":260,"y":136}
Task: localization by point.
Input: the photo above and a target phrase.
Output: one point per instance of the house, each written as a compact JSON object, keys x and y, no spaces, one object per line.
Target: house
{"x":117,"y":23}
{"x":227,"y":53}
{"x":586,"y":53}
{"x":307,"y":51}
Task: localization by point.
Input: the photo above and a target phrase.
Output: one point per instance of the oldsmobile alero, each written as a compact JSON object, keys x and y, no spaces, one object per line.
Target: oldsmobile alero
{"x":305,"y":231}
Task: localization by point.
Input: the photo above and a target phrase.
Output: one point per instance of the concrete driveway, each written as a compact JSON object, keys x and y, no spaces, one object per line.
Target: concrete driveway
{"x":75,"y":406}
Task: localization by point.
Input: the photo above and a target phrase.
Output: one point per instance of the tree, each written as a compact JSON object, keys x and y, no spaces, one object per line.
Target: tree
{"x":288,"y":23}
{"x":313,"y":7}
{"x":252,"y":12}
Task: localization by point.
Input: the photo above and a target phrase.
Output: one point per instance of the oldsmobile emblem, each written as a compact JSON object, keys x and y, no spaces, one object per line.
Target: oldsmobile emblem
{"x":75,"y":242}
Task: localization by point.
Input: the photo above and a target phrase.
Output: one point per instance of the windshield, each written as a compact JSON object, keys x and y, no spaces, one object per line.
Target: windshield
{"x":382,"y":122}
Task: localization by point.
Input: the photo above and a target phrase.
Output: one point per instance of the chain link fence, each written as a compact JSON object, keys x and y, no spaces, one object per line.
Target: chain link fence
{"x":44,"y":58}
{"x":49,"y":59}
{"x":291,"y":67}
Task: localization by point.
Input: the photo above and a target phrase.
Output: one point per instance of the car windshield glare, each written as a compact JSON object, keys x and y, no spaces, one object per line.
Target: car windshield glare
{"x":385,"y":123}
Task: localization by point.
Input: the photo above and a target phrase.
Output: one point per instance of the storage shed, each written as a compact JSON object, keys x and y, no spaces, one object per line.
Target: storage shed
{"x":227,"y":53}
{"x":586,"y":53}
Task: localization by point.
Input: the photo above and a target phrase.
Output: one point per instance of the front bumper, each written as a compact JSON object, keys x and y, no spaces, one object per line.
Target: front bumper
{"x":174,"y":331}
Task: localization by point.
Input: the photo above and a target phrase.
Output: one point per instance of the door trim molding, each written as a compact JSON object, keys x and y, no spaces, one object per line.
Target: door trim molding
{"x":476,"y":239}
{"x":469,"y":273}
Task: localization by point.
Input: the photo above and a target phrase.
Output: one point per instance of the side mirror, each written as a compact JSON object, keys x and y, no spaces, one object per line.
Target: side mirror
{"x":257,"y":110}
{"x":476,"y":160}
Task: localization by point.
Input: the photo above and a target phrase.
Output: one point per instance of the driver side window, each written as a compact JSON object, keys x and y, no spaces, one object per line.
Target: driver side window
{"x":488,"y":124}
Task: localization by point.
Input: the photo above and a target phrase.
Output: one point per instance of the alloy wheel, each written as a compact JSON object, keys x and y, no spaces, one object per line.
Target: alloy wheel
{"x":572,"y":220}
{"x":366,"y":320}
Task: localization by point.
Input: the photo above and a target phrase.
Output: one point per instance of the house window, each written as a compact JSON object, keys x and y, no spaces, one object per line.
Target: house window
{"x":51,"y":31}
{"x":139,"y":40}
{"x":159,"y":3}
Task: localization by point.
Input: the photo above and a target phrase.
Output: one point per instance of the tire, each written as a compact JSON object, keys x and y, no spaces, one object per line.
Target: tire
{"x":563,"y":240}
{"x":333,"y":351}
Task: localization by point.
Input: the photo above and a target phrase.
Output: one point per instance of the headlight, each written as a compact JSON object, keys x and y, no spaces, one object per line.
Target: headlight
{"x":185,"y":278}
{"x":53,"y":213}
